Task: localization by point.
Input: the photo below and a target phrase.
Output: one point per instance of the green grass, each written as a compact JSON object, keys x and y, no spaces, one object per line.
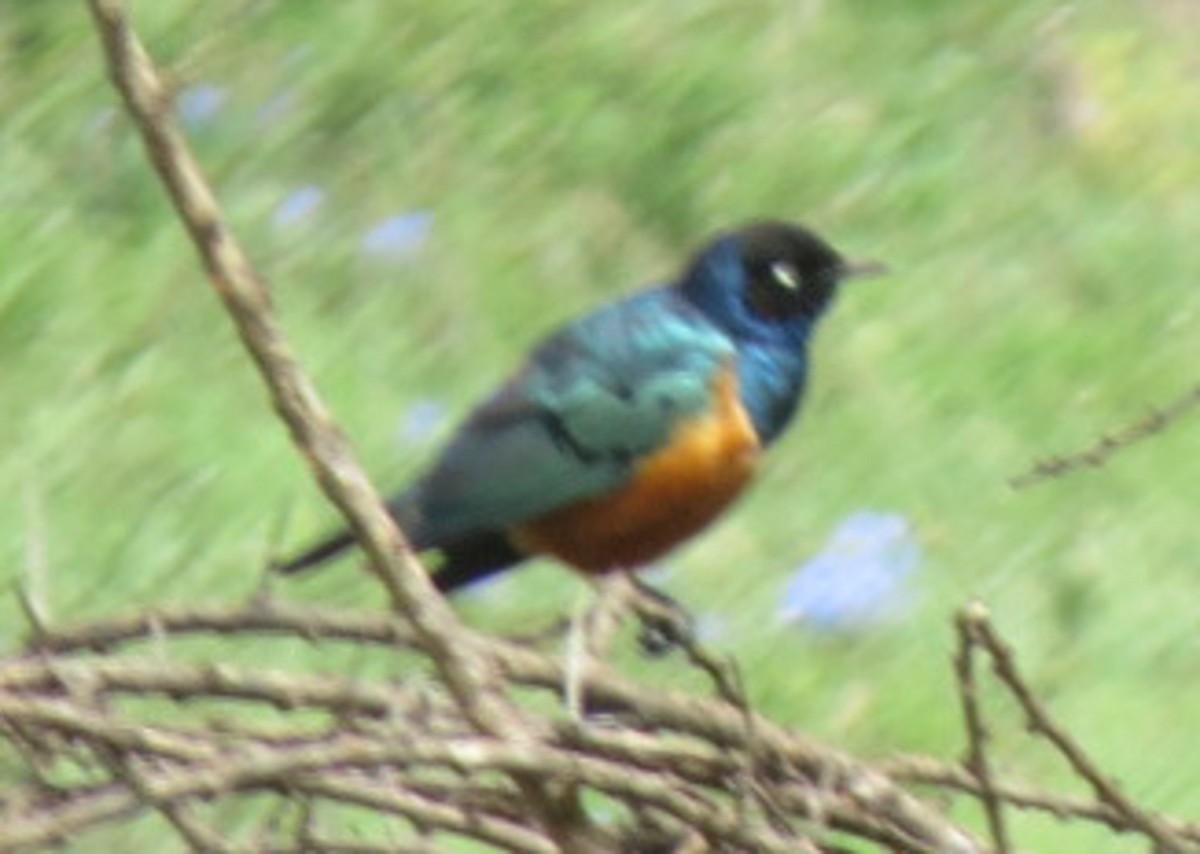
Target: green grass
{"x":1044,"y":291}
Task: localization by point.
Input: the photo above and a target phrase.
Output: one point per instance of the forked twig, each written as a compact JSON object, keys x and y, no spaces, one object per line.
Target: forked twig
{"x":976,"y":625}
{"x":977,"y":762}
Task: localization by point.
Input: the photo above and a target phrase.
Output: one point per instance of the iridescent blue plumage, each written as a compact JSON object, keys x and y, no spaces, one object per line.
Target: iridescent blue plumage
{"x":631,"y":428}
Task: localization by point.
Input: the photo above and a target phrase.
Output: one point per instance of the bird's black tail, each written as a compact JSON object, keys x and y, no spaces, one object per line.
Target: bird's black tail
{"x":404,"y":510}
{"x":474,"y":559}
{"x":317,"y":555}
{"x":463,"y":561}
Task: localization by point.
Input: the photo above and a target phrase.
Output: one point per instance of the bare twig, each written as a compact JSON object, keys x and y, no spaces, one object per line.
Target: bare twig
{"x":977,"y":623}
{"x":1153,"y":423}
{"x":714,"y":722}
{"x":977,"y":762}
{"x":649,"y":733}
{"x":706,"y":748}
{"x":930,"y":772}
{"x":248,"y":303}
{"x":180,"y":816}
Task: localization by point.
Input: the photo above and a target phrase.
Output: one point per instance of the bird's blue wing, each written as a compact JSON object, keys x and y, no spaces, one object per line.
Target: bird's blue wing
{"x":593,"y":400}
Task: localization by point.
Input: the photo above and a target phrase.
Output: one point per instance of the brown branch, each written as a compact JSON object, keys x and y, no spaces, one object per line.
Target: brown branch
{"x":929,"y":772}
{"x":858,"y":790}
{"x":264,"y":617}
{"x":424,"y":811}
{"x":458,"y":655}
{"x":1096,"y":456}
{"x":977,"y":762}
{"x":195,"y":834}
{"x":847,"y":795}
{"x":69,"y":719}
{"x":179,"y":680}
{"x":1038,"y":720}
{"x":248,"y":302}
{"x":708,"y":730}
{"x":694,"y":741}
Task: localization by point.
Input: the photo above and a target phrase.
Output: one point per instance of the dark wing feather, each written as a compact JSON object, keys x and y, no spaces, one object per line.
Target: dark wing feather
{"x":591,"y":401}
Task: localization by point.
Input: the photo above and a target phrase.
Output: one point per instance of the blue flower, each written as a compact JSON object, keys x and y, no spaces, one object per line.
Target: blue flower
{"x":421,"y":421}
{"x":397,"y":238}
{"x":859,"y":579}
{"x":299,"y":206}
{"x":199,"y":104}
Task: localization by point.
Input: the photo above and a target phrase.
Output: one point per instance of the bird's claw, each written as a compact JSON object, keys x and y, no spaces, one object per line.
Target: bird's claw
{"x":666,"y":625}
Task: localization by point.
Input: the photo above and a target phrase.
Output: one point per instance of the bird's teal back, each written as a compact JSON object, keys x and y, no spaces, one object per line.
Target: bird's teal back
{"x":591,"y":401}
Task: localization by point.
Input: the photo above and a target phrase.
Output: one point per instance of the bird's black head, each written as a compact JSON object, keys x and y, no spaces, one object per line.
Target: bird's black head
{"x":789,"y":270}
{"x":767,"y":279}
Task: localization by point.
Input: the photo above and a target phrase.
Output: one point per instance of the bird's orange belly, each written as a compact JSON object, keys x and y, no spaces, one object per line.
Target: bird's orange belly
{"x":674,"y":494}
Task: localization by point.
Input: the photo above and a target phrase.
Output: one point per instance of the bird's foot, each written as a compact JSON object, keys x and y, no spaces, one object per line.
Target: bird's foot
{"x":666,"y":624}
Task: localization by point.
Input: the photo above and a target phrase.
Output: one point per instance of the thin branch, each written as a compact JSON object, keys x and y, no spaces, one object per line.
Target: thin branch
{"x":248,"y":303}
{"x":180,"y":816}
{"x":1154,"y":422}
{"x":710,"y":721}
{"x":425,"y":811}
{"x":977,"y":762}
{"x":1039,"y":721}
{"x":929,"y":772}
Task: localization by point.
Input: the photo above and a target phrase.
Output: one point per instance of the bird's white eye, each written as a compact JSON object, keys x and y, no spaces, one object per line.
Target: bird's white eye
{"x":786,"y":275}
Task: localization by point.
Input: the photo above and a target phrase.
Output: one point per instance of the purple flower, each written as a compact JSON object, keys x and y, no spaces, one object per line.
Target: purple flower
{"x":299,"y":206}
{"x":199,"y":104}
{"x":859,"y":579}
{"x":397,"y":238}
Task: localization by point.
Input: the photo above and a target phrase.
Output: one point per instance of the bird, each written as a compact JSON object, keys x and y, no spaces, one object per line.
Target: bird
{"x":630,"y":429}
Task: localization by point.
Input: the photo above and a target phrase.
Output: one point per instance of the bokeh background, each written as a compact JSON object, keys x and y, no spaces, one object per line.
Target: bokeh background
{"x":431,"y":187}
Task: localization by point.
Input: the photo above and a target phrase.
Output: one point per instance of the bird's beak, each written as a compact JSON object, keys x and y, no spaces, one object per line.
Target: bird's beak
{"x":864,"y":269}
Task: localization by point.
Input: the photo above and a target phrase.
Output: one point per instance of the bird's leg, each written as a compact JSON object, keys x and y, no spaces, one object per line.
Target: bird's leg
{"x":666,"y":624}
{"x":593,"y":627}
{"x":575,"y":657}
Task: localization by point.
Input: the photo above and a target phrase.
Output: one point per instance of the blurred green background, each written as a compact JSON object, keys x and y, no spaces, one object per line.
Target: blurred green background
{"x":431,"y":187}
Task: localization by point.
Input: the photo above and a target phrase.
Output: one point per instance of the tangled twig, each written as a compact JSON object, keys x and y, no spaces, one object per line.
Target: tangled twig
{"x":977,"y":632}
{"x":674,"y":754}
